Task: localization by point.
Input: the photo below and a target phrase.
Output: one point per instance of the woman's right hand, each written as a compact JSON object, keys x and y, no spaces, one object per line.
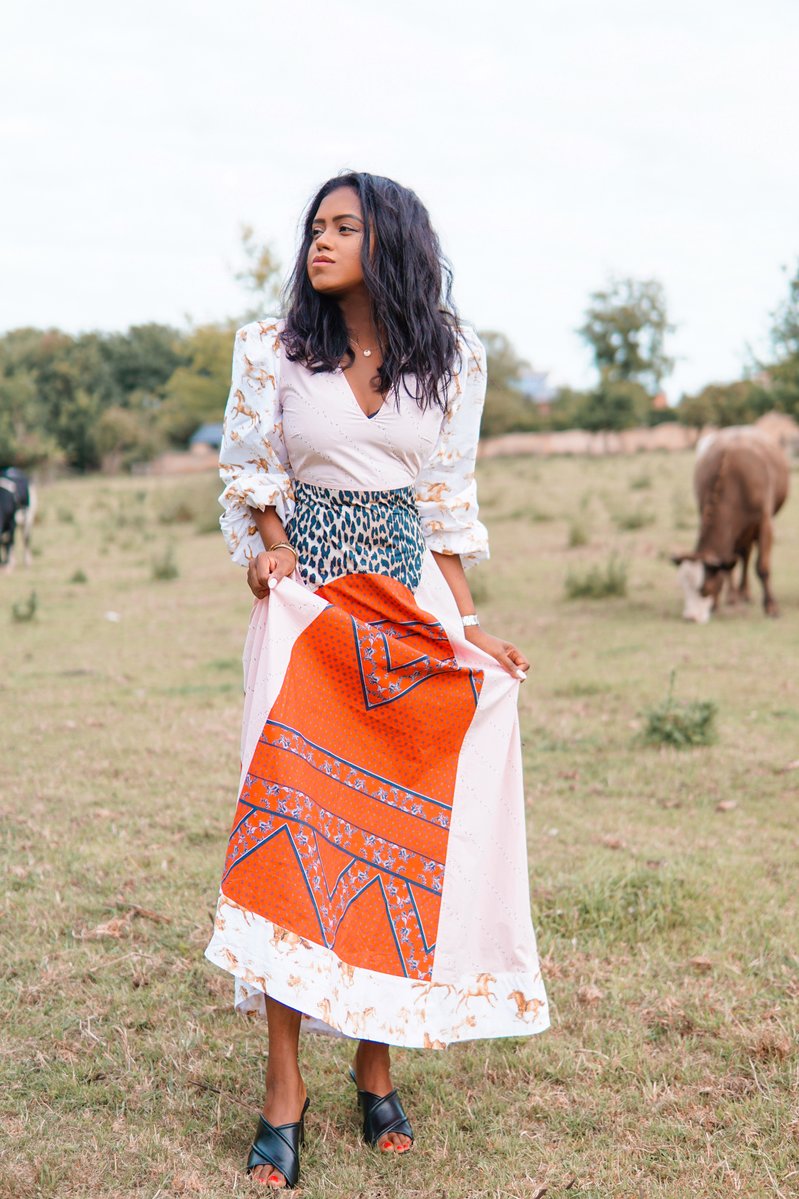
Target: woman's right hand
{"x":266,"y":570}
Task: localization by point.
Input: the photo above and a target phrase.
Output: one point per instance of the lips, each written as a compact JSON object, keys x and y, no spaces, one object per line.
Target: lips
{"x":323,"y":259}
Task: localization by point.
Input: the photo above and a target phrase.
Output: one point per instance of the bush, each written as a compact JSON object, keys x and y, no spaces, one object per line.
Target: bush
{"x":126,"y":437}
{"x":681,"y":725}
{"x":165,"y":565}
{"x":25,"y":610}
{"x":598,"y":582}
{"x":636,"y":518}
{"x":578,"y":534}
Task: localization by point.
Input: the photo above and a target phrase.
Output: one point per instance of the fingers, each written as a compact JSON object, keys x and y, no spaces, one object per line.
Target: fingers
{"x":507,"y":663}
{"x":518,"y":663}
{"x":284,"y":565}
{"x":517,"y":657}
{"x":266,"y":570}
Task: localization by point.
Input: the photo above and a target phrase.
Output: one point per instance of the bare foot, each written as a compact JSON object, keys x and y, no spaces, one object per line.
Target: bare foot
{"x":283,"y":1105}
{"x":373,"y":1073}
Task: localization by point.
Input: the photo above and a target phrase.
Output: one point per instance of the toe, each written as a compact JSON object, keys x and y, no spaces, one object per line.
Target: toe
{"x":268,"y":1176}
{"x":397,"y":1142}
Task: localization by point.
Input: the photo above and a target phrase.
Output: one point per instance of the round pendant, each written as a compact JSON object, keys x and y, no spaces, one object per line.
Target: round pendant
{"x":367,"y":353}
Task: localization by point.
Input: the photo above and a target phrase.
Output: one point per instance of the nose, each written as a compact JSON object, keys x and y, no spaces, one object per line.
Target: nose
{"x":322,"y":241}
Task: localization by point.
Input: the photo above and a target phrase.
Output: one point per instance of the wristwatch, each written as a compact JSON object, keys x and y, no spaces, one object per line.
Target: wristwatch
{"x":469,"y":621}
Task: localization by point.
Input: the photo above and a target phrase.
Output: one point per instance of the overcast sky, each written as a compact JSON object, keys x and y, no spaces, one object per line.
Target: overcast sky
{"x":554,"y":142}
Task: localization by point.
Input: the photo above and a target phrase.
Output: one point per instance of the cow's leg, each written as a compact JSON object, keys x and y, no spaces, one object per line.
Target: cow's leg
{"x":27,"y":522}
{"x":30,"y":521}
{"x":732,"y":590}
{"x":743,"y":586}
{"x":763,"y":565}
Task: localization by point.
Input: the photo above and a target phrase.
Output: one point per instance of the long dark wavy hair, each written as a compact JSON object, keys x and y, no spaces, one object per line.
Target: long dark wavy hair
{"x":410,"y":284}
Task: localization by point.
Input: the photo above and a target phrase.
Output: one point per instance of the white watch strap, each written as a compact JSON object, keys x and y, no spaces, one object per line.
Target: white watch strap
{"x":470,"y":620}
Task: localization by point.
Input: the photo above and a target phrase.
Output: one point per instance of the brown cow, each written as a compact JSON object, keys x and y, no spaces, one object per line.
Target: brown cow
{"x":741,"y":481}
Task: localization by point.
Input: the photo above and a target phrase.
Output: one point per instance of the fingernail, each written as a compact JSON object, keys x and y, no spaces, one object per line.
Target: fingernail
{"x":273,"y":582}
{"x":520,"y":675}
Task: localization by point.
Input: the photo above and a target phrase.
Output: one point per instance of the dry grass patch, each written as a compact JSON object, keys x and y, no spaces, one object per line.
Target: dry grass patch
{"x":665,"y":923}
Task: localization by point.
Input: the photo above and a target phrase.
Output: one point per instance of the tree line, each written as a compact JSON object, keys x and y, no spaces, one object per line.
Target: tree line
{"x":114,"y":400}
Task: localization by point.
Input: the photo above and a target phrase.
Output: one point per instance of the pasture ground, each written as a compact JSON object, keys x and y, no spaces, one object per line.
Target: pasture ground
{"x":664,"y":882}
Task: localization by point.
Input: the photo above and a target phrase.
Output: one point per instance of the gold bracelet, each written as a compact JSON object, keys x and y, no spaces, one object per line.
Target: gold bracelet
{"x":284,"y":545}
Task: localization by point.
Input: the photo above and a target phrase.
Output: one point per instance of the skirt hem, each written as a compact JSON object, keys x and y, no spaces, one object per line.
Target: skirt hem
{"x":354,"y":1002}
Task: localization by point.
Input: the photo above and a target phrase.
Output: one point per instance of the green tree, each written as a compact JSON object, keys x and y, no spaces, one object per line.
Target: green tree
{"x":626,"y":326}
{"x":260,"y":276}
{"x":196,"y":392}
{"x":566,"y":409}
{"x":616,"y":404}
{"x":783,"y":373}
{"x":506,"y":410}
{"x":127,"y":436}
{"x":720,"y":404}
{"x":26,"y":439}
{"x":55,"y":379}
{"x":143,"y":360}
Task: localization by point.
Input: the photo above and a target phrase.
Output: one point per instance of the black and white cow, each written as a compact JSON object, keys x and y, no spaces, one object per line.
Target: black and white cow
{"x":17,"y":511}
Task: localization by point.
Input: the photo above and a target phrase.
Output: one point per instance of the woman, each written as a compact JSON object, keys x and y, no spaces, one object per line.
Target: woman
{"x":376,"y":876}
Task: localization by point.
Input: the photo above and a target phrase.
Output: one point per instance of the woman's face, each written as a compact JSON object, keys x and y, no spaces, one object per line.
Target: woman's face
{"x":334,"y":256}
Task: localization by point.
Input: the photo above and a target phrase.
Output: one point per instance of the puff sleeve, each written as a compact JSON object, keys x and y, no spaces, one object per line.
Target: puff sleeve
{"x":446,"y":491}
{"x":253,"y":461}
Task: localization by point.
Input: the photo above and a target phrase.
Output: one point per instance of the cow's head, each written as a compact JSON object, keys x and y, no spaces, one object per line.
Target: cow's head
{"x":701,"y":577}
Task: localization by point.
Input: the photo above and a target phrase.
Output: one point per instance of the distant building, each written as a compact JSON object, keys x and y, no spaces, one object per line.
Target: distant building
{"x":209,"y":436}
{"x":535,"y":387}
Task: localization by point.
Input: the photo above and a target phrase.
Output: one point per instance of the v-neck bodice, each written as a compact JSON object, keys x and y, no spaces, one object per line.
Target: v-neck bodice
{"x":368,"y":415}
{"x":332,"y":442}
{"x":285,"y":425}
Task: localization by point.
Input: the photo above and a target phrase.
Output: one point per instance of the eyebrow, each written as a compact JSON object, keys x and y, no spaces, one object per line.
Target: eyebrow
{"x":340,"y":217}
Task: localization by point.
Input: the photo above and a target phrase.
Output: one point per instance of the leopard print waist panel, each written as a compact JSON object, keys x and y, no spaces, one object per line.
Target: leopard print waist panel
{"x":338,"y":532}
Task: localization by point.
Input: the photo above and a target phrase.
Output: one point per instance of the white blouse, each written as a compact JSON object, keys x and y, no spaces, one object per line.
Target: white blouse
{"x":283,"y":423}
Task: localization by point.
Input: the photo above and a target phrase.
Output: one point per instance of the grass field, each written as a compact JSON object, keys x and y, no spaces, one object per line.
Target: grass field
{"x":664,"y":881}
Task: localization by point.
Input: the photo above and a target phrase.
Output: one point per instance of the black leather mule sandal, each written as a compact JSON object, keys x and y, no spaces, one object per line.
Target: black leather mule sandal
{"x":278,"y":1145}
{"x":382,"y":1114}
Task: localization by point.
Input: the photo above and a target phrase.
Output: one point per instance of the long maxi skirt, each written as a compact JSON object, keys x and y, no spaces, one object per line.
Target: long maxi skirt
{"x":376,"y":873}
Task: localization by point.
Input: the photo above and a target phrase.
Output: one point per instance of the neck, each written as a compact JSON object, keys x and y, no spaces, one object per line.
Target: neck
{"x":356,"y":309}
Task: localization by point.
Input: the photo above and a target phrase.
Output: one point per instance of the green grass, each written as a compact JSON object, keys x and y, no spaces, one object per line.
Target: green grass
{"x":598,"y":582}
{"x":634,"y":518}
{"x":578,"y":534}
{"x":663,"y":879}
{"x":680,"y":724}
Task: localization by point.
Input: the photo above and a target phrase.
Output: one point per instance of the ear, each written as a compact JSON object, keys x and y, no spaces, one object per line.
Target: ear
{"x":678,"y":559}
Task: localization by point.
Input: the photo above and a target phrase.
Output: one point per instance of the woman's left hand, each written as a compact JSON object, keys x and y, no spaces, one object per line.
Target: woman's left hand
{"x":505,"y":652}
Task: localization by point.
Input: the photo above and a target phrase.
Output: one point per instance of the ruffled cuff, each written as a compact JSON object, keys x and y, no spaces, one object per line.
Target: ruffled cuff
{"x":236,"y":522}
{"x":469,"y":541}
